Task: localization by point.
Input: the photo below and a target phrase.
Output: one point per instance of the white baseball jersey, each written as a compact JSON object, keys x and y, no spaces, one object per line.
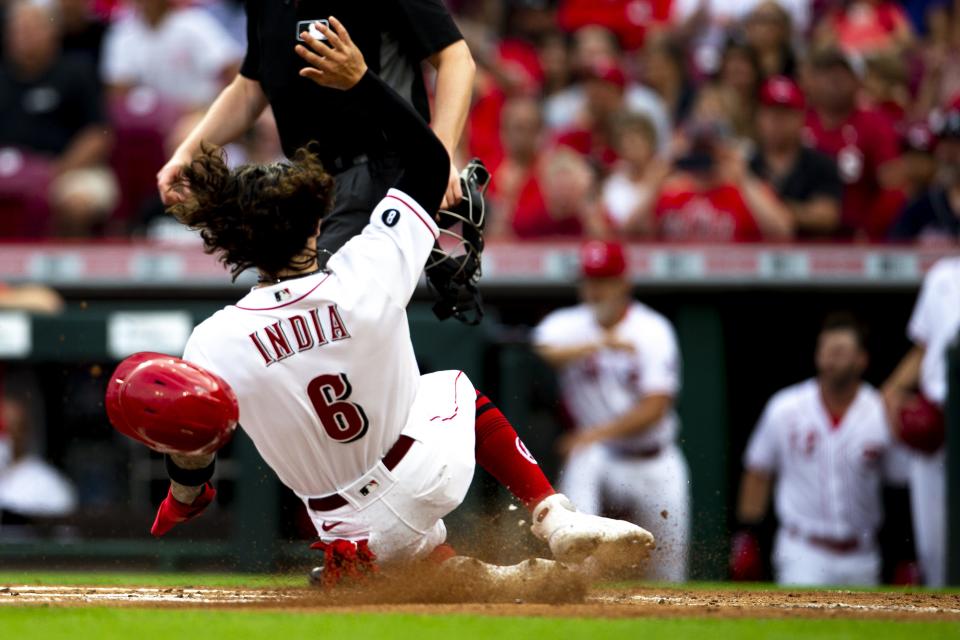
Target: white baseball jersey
{"x":323,"y":365}
{"x":604,"y":386}
{"x":935,"y":323}
{"x":829,"y":475}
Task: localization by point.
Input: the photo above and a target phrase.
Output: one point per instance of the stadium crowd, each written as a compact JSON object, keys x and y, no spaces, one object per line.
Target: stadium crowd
{"x":668,"y":120}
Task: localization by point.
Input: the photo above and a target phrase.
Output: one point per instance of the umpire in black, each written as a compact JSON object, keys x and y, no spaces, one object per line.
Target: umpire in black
{"x":395,"y":37}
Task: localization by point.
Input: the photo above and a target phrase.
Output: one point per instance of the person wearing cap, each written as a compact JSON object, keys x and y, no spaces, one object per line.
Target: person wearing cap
{"x":934,"y":216}
{"x":619,"y":373}
{"x":806,"y":180}
{"x":606,"y":93}
{"x":710,"y":195}
{"x":861,"y":140}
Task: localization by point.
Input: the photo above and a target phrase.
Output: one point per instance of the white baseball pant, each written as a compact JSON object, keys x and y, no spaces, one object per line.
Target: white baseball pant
{"x":654,"y":492}
{"x":401,"y":516}
{"x":928,"y":508}
{"x":797,"y":561}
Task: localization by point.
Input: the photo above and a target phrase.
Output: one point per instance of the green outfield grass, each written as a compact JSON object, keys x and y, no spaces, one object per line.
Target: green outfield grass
{"x":164,"y":624}
{"x":96,"y":623}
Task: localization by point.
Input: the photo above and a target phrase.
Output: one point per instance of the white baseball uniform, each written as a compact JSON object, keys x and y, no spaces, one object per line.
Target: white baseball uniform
{"x":327,"y":381}
{"x":829,"y":479}
{"x":646,"y":475}
{"x":934,"y":324}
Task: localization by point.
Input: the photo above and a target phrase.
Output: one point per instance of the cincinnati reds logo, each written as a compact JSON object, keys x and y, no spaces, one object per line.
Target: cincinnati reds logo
{"x":525,"y":452}
{"x":390,"y":217}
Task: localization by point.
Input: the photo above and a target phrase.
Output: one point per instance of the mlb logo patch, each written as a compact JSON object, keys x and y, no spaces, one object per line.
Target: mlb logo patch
{"x":367,"y":488}
{"x":283,"y":295}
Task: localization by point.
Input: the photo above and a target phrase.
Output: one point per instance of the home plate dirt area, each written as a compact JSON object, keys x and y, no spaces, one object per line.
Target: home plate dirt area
{"x":624,"y":602}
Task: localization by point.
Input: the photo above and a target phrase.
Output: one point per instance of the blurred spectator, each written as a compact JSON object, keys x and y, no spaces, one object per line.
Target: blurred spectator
{"x":604,"y":97}
{"x":32,"y":298}
{"x":183,"y":54}
{"x":555,"y":61}
{"x":939,"y":61}
{"x":629,"y":20}
{"x":637,"y":178}
{"x":866,"y":27}
{"x":825,"y":440}
{"x":231,"y":15}
{"x":885,"y":86}
{"x":81,"y":30}
{"x":925,"y":14}
{"x":934,"y":216}
{"x":732,"y":95}
{"x":664,"y":70}
{"x":805,"y":180}
{"x":30,"y":489}
{"x":603,"y":90}
{"x":916,"y":168}
{"x":767,"y":29}
{"x":711,"y":196}
{"x":514,"y":191}
{"x":707,"y":24}
{"x":861,"y":140}
{"x":53,"y":138}
{"x":560,"y":199}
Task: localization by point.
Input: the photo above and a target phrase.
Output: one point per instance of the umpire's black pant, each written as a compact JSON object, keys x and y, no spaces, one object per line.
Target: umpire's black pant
{"x":360,"y":188}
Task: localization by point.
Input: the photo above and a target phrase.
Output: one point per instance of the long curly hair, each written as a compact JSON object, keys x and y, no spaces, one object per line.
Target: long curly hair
{"x":256,"y":215}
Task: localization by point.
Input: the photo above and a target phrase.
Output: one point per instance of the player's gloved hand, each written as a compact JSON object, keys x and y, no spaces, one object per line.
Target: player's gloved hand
{"x":746,"y":560}
{"x":344,"y":560}
{"x":172,"y":512}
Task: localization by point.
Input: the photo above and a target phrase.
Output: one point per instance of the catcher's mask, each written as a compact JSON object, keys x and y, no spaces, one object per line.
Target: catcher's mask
{"x":454,"y":269}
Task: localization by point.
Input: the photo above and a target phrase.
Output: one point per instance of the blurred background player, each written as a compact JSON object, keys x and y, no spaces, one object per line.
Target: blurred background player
{"x":916,"y":394}
{"x":824,"y":441}
{"x":395,"y":39}
{"x":619,"y":370}
{"x":31,"y":490}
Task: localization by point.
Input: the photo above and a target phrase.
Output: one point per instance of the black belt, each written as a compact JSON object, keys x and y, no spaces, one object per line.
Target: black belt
{"x":836,"y":545}
{"x":391,"y":460}
{"x":640,"y":454}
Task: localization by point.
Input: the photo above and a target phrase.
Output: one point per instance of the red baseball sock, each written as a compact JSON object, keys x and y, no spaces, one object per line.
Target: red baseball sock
{"x":500,"y":451}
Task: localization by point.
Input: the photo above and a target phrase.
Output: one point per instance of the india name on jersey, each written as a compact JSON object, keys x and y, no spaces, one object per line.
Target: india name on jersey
{"x":604,"y":386}
{"x":935,"y":324}
{"x":828,"y":476}
{"x":323,"y":366}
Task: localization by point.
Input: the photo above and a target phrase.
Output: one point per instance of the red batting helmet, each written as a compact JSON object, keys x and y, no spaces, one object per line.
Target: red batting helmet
{"x":171,"y":405}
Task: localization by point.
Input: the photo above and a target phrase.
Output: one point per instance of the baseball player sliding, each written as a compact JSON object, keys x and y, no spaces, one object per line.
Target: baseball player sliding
{"x":322,"y":364}
{"x":826,"y":441}
{"x":619,"y":369}
{"x":916,"y":394}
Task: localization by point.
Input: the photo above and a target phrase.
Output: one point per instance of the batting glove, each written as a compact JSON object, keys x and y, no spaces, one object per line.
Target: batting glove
{"x":172,"y":512}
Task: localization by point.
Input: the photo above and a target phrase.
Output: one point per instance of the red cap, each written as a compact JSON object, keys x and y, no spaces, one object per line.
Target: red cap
{"x":171,"y":405}
{"x":781,"y":91}
{"x":602,"y":259}
{"x":608,"y":72}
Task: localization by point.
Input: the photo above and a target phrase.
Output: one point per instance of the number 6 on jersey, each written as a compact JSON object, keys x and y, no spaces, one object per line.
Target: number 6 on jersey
{"x":343,"y":421}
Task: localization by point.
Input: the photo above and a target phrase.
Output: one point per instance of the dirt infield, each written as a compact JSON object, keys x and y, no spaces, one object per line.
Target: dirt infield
{"x":606,"y":603}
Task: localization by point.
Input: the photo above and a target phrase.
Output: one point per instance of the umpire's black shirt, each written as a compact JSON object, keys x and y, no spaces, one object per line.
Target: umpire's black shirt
{"x":395,"y":36}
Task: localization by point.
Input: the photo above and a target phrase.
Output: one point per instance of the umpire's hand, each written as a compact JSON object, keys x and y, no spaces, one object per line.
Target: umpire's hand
{"x":335,"y":62}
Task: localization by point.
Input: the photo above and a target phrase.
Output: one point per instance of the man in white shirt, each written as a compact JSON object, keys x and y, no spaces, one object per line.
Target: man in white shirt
{"x":619,"y":370}
{"x":183,"y":54}
{"x":30,"y":488}
{"x":825,"y":441}
{"x":933,"y":329}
